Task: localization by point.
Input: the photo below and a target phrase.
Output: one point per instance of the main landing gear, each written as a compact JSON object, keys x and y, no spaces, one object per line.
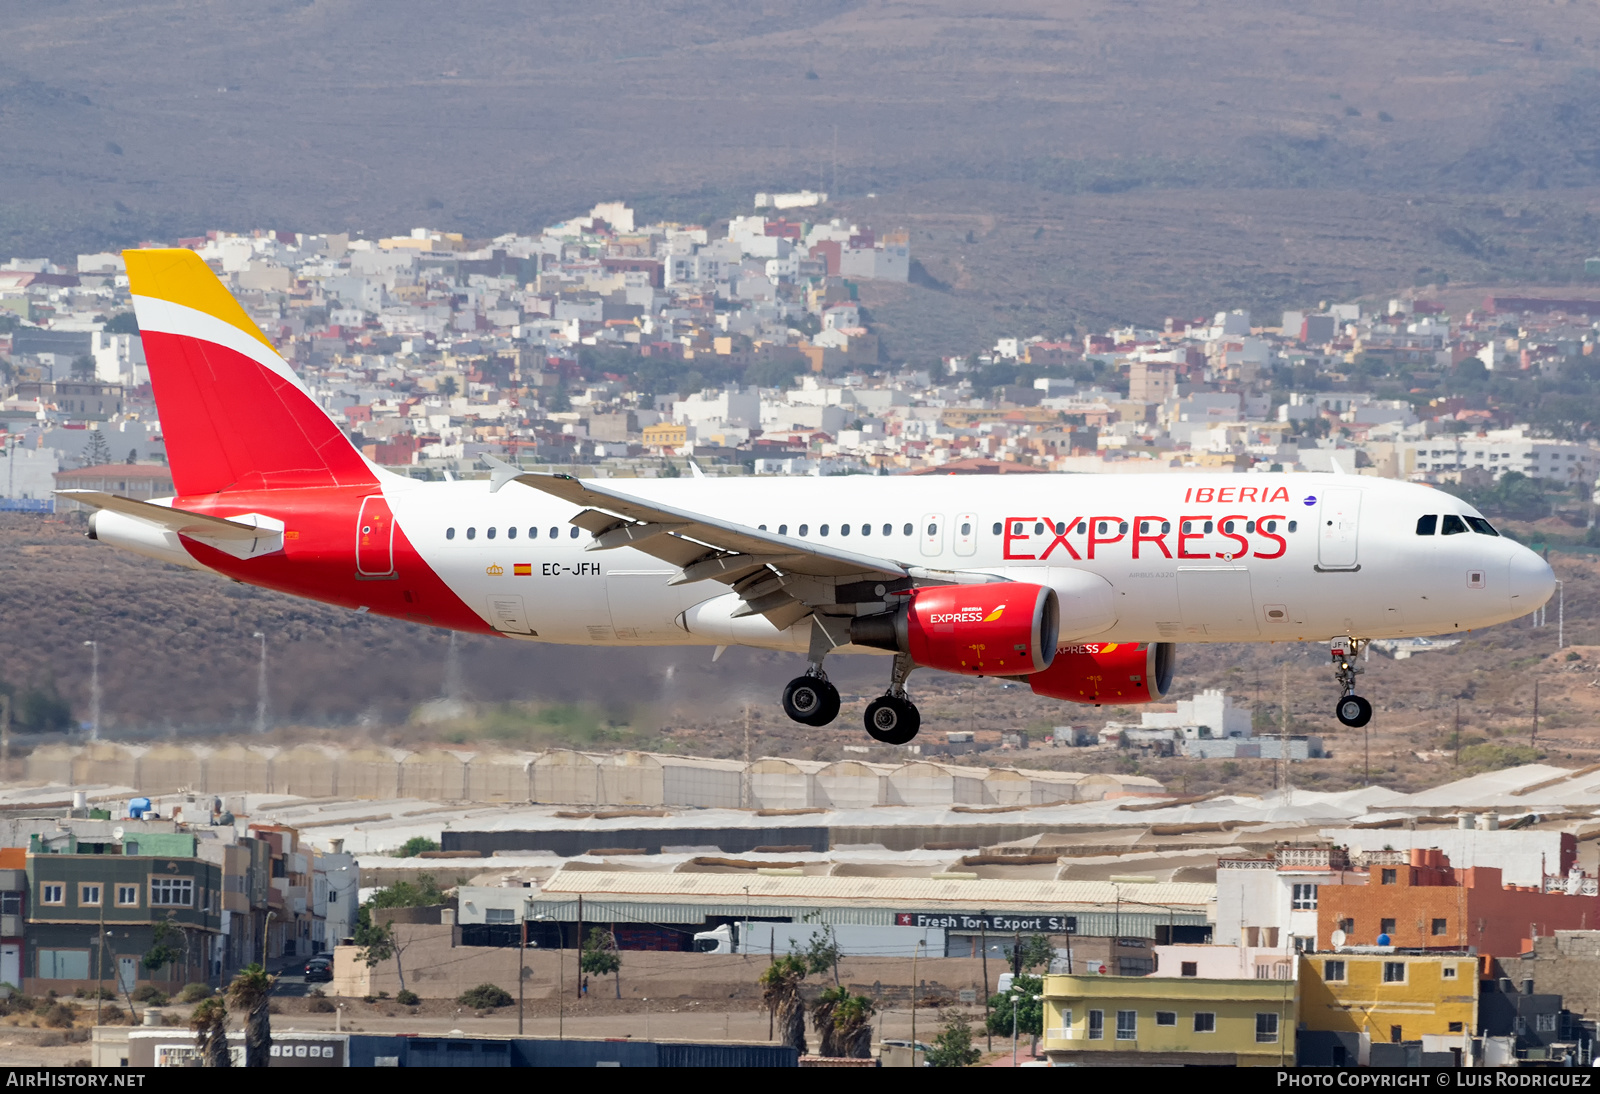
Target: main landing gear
{"x":891,"y":719}
{"x":1352,"y":709}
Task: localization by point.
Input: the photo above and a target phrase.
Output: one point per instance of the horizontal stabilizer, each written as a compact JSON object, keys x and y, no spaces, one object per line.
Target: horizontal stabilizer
{"x":194,"y":525}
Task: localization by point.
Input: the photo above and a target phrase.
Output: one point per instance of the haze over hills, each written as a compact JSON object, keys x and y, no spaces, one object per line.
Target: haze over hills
{"x":1191,"y":154}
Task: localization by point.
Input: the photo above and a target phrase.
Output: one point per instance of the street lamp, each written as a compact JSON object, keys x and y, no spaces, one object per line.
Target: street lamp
{"x":94,"y":689}
{"x":561,"y":977}
{"x":1015,"y":998}
{"x":261,"y":685}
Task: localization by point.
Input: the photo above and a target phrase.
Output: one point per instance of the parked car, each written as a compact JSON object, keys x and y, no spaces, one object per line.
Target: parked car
{"x":319,"y":969}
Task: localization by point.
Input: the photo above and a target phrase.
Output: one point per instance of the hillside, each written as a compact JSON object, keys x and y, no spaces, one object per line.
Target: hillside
{"x":1109,"y":160}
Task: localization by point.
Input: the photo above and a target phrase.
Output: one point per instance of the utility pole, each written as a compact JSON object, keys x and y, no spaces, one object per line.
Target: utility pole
{"x":261,"y":685}
{"x":1534,"y":736}
{"x":1458,"y":733}
{"x":983,"y":940}
{"x":914,"y":951}
{"x":100,"y":964}
{"x":522,"y":965}
{"x":1561,"y":615}
{"x":580,"y":945}
{"x":1286,"y":789}
{"x":5,"y":734}
{"x":94,"y":689}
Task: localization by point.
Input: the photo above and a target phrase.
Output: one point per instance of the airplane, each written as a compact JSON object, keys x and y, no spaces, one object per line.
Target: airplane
{"x":1081,"y":586}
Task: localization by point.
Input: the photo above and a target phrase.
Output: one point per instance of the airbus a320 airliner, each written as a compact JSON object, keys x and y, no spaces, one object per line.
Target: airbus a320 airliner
{"x":1080,"y":585}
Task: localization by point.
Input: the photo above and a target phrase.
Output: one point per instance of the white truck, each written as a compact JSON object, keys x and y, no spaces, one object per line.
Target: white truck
{"x":853,"y":940}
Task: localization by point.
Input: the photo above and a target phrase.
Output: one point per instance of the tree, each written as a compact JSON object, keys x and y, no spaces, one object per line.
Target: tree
{"x":448,"y":387}
{"x":1037,"y":952}
{"x":422,"y":893}
{"x":162,"y":951}
{"x":780,"y":990}
{"x":123,"y":322}
{"x":953,"y":1046}
{"x":251,"y":992}
{"x":98,"y":452}
{"x":852,"y":1026}
{"x":600,"y":957}
{"x":83,"y":368}
{"x":822,"y":954}
{"x":210,"y":1024}
{"x":1030,"y":1011}
{"x":822,"y":1012}
{"x":415,"y":846}
{"x":379,"y":943}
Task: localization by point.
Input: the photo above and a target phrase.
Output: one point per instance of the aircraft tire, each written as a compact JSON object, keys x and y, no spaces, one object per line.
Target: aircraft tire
{"x":811,"y":701}
{"x":892,"y":721}
{"x":1353,"y":711}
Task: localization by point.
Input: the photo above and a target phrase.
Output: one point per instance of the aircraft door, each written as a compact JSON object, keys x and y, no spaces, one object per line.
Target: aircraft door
{"x":932,"y":532}
{"x":375,"y":538}
{"x":1337,"y":528}
{"x":966,"y":533}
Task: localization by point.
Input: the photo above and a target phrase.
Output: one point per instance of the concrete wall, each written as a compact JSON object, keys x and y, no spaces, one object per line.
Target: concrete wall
{"x":436,"y":969}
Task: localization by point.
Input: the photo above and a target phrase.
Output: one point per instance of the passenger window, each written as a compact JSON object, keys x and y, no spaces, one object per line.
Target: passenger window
{"x":761,"y":527}
{"x":1082,"y":527}
{"x":489,"y":533}
{"x":1102,"y":529}
{"x":449,"y":533}
{"x":1186,"y":527}
{"x":1061,"y":528}
{"x":1293,"y":525}
{"x":1271,"y":525}
{"x":906,"y":530}
{"x":472,"y":533}
{"x":1038,"y":529}
{"x":1144,"y":526}
{"x":966,"y":529}
{"x":1166,"y":526}
{"x":844,"y":530}
{"x":783,"y":529}
{"x":866,"y":529}
{"x":823,"y":530}
{"x":533,"y":533}
{"x":1428,"y":525}
{"x":574,"y":533}
{"x":803,"y":529}
{"x":1227,"y":526}
{"x":933,"y":529}
{"x":1016,"y":527}
{"x":1453,"y":525}
{"x":1122,"y":528}
{"x":511,"y":533}
{"x":1208,"y":527}
{"x":555,"y":533}
{"x":996,"y":528}
{"x":1249,"y":526}
{"x":888,"y":529}
{"x":1481,"y":526}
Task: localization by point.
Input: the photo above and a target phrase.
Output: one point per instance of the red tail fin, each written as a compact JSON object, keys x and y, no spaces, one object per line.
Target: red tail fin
{"x":233,"y":413}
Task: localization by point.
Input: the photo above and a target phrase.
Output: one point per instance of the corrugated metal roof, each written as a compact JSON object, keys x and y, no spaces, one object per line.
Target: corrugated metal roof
{"x":905,"y":893}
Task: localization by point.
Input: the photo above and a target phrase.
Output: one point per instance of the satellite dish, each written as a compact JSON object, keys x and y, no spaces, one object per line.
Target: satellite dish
{"x":1337,"y":939}
{"x":116,"y":833}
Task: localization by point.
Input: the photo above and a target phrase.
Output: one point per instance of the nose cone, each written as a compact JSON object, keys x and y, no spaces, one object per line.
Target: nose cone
{"x":1532,"y":580}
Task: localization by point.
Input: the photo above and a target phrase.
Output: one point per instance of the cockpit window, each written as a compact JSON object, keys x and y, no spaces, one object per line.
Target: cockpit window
{"x":1428,"y":525}
{"x":1453,"y":525}
{"x":1482,"y":527}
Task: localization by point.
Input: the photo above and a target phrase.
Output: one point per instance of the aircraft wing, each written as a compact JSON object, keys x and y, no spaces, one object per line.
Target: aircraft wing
{"x":777,"y":576}
{"x":197,"y":525}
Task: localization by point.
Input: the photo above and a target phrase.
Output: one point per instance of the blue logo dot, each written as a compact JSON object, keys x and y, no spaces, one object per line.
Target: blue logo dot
{"x":1311,"y":500}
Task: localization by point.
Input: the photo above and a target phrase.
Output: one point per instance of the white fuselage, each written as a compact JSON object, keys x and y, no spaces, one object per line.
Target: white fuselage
{"x":1269,"y":557}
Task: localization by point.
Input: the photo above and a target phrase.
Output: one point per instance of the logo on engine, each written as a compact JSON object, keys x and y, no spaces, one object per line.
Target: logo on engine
{"x":992,"y":616}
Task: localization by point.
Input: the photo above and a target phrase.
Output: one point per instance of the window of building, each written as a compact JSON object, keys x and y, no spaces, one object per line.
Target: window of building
{"x":1386,"y":926}
{"x":1546,"y":1023}
{"x":53,"y":892}
{"x":1396,"y":1035}
{"x":1190,"y":968}
{"x":1333,"y":970}
{"x":1097,"y":1025}
{"x":1305,"y":898}
{"x":1166,"y":1017}
{"x":172,"y":892}
{"x":1448,"y":972}
{"x":500,"y":915}
{"x":1266,"y":1029}
{"x":1388,"y":877}
{"x":1128,"y":1025}
{"x":89,"y":894}
{"x":1428,"y":525}
{"x":1394,"y":972}
{"x":1455,"y":1027}
{"x":1439,"y":927}
{"x":1348,"y":926}
{"x":1205,"y":1022}
{"x":10,"y":903}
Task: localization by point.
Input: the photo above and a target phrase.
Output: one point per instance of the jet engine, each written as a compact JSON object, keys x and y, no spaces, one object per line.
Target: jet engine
{"x":1108,"y":672}
{"x":1002,"y":629}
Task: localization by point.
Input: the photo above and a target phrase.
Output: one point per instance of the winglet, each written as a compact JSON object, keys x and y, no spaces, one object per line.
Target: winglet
{"x":694,"y":468}
{"x":500,"y":472}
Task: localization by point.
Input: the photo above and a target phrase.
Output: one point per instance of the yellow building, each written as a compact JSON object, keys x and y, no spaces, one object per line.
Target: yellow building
{"x":666,"y":435}
{"x":1391,"y":997}
{"x":1146,"y":1020}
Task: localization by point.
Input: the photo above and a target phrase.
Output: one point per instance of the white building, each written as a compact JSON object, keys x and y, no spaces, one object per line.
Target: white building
{"x":1498,"y":451}
{"x":1212,"y":708}
{"x":1271,"y":903}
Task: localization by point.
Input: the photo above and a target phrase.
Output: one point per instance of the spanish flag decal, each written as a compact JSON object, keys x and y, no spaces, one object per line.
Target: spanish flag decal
{"x":522,"y":569}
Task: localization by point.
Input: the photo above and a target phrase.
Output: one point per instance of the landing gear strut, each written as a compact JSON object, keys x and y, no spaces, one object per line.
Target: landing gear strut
{"x":892,"y":718}
{"x":1352,"y":709}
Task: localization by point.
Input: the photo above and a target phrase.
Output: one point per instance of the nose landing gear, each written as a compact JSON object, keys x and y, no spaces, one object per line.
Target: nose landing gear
{"x":1351,"y":710}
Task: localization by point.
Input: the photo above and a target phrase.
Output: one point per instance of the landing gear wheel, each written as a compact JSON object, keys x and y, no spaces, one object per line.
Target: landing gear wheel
{"x":1353,"y":711}
{"x":892,"y":720}
{"x":811,"y":700}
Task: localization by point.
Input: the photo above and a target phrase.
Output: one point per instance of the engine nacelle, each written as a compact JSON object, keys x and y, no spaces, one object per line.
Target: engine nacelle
{"x":1006,"y":628}
{"x":1108,"y":672}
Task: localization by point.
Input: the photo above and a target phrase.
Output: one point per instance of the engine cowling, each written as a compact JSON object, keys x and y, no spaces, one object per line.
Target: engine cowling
{"x":1002,"y":629}
{"x":1108,"y":672}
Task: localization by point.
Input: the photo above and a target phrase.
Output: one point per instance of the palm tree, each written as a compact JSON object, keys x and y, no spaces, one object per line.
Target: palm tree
{"x":822,"y":1017}
{"x":852,"y":1026}
{"x":210,"y":1023}
{"x":251,"y":992}
{"x":780,"y":990}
